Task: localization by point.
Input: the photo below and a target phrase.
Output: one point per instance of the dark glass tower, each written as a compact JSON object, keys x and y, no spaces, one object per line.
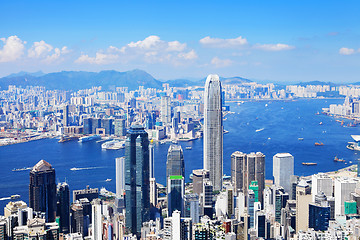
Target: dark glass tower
{"x":42,"y":190}
{"x":175,"y":162}
{"x":63,"y":207}
{"x":137,"y":182}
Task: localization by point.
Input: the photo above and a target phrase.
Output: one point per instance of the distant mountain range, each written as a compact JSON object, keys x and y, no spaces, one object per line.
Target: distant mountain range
{"x":75,"y":80}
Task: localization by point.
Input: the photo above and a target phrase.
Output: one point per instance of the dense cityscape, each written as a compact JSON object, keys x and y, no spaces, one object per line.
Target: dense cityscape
{"x":210,"y":206}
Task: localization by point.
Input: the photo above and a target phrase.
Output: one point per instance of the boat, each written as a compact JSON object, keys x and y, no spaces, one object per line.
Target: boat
{"x":89,"y":138}
{"x":319,"y":144}
{"x":266,"y":105}
{"x":301,"y":139}
{"x":336,"y":159}
{"x":320,"y":123}
{"x":15,"y":196}
{"x":259,"y":130}
{"x":108,"y":180}
{"x":309,"y":163}
{"x":188,"y":148}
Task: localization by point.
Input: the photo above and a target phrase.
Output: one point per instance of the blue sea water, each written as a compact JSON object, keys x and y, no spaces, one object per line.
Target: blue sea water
{"x":283,"y":122}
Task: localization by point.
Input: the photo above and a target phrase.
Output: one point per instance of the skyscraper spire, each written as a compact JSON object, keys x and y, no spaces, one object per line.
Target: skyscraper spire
{"x":213,"y":130}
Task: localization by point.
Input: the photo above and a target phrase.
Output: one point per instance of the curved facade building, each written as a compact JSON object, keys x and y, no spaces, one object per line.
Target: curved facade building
{"x":213,"y":130}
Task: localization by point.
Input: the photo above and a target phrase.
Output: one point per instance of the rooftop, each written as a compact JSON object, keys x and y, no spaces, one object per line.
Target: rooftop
{"x":42,"y":165}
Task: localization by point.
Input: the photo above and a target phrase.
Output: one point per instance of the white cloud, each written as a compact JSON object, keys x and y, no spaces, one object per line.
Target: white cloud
{"x":221,"y":62}
{"x":150,"y":50}
{"x":39,"y":49}
{"x":100,"y":58}
{"x":12,"y":50}
{"x":45,"y":52}
{"x":223,"y":43}
{"x":189,"y":55}
{"x":347,"y":51}
{"x":273,"y":47}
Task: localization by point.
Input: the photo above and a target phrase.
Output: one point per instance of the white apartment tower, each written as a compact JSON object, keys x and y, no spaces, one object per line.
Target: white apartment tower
{"x":213,"y":130}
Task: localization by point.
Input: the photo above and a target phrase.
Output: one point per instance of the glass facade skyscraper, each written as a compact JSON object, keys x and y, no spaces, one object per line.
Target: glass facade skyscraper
{"x":213,"y":130}
{"x":42,"y":190}
{"x":175,"y":161}
{"x":137,"y":182}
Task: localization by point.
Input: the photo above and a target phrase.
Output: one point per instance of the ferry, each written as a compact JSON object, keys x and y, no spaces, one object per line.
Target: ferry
{"x":319,"y":144}
{"x":309,"y":163}
{"x":113,"y":145}
{"x":188,"y":148}
{"x":89,"y":138}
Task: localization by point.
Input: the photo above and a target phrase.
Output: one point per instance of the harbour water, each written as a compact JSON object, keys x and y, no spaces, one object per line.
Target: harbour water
{"x":281,"y":123}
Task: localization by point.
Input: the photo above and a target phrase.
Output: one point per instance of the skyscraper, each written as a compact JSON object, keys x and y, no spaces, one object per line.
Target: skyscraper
{"x":165,"y":109}
{"x":63,"y":207}
{"x":303,"y":198}
{"x":137,"y":183}
{"x":66,"y":116}
{"x":120,"y":176}
{"x":238,"y":159}
{"x":175,"y":194}
{"x":175,"y":161}
{"x":283,"y":169}
{"x":213,"y":130}
{"x":42,"y":189}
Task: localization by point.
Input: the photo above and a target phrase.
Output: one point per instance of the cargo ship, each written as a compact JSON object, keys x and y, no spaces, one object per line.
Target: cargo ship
{"x":89,"y":138}
{"x":336,"y":159}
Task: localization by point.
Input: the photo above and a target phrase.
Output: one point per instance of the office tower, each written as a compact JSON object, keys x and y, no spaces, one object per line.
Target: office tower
{"x":66,"y":116}
{"x":107,"y":124}
{"x":283,"y":169}
{"x":293,"y":183}
{"x":95,"y":124}
{"x":319,"y":216}
{"x":255,"y":171}
{"x":153,"y":192}
{"x":87,"y":124}
{"x":192,"y":207}
{"x":42,"y":190}
{"x":251,"y":202}
{"x":79,"y":219}
{"x":238,"y":159}
{"x":199,"y":175}
{"x":213,"y":131}
{"x":280,"y":199}
{"x":289,"y":218}
{"x":208,"y":202}
{"x":255,"y":187}
{"x":151,"y":159}
{"x":175,"y":193}
{"x":342,"y":192}
{"x":89,"y":193}
{"x":321,"y":182}
{"x":120,"y":176}
{"x":260,"y":224}
{"x":137,"y":182}
{"x":97,"y":228}
{"x":165,"y":110}
{"x":119,"y":127}
{"x":303,"y":198}
{"x":63,"y":207}
{"x":175,"y":161}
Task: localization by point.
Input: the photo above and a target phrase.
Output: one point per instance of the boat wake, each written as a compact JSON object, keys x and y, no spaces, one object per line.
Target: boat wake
{"x":259,"y":130}
{"x":84,"y":168}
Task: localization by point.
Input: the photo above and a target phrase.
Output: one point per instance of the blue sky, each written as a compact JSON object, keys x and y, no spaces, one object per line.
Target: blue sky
{"x":279,"y":41}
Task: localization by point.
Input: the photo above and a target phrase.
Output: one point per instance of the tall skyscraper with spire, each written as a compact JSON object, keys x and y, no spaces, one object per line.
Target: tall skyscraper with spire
{"x":213,"y":130}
